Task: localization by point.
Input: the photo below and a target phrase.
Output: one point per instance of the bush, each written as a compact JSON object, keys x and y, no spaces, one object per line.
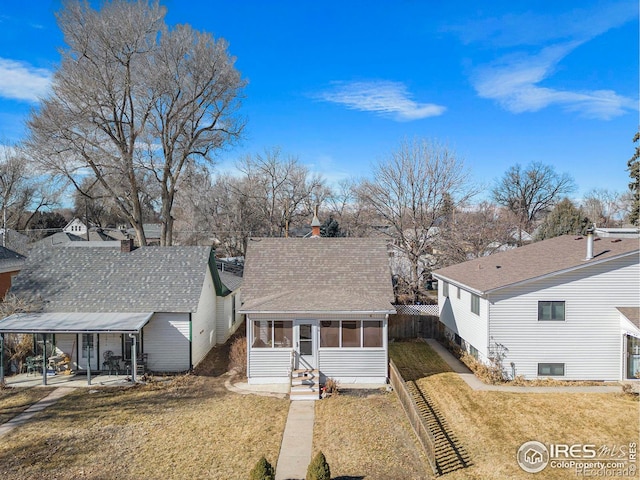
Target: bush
{"x":319,"y":468}
{"x":331,"y":387}
{"x":262,"y":471}
{"x":238,"y":355}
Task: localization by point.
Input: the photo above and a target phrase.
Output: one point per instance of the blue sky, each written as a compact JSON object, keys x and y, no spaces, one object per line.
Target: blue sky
{"x":341,"y":84}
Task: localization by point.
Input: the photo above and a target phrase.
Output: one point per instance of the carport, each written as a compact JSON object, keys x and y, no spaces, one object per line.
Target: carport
{"x":124,"y":323}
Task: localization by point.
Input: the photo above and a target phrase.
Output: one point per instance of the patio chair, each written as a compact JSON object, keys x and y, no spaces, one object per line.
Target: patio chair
{"x":32,"y":365}
{"x":141,"y":363}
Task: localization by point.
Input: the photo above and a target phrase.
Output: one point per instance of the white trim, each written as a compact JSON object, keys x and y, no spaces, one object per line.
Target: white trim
{"x":318,"y":312}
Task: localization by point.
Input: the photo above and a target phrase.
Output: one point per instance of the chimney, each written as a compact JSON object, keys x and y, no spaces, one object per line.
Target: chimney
{"x":589,"y":243}
{"x":126,"y":246}
{"x":315,"y":223}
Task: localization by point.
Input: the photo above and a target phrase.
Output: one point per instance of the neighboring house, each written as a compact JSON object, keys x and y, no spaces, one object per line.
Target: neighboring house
{"x":92,"y":298}
{"x":621,"y":232}
{"x":10,"y":264}
{"x":76,"y":227}
{"x":151,"y":233}
{"x":566,"y":307}
{"x":325,"y":301}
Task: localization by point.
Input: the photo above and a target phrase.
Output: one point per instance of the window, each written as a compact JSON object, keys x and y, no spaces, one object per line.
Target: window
{"x":351,"y":333}
{"x":272,"y":333}
{"x":475,"y":304}
{"x":551,"y":369}
{"x":233,"y":310}
{"x":329,"y":333}
{"x":458,"y":293}
{"x":371,"y":334}
{"x":445,"y":289}
{"x":128,"y":342}
{"x":551,"y":311}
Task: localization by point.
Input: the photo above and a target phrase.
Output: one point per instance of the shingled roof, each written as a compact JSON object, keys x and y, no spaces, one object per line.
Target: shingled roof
{"x":539,"y":259}
{"x":99,"y":279}
{"x":317,"y":275}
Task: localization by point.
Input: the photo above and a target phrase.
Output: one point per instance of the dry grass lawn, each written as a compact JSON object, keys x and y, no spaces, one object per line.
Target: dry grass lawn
{"x":15,"y":400}
{"x":189,"y":427}
{"x":492,"y":425}
{"x":367,"y":438}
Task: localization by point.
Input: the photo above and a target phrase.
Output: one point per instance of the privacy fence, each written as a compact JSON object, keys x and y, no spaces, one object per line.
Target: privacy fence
{"x":415,"y":321}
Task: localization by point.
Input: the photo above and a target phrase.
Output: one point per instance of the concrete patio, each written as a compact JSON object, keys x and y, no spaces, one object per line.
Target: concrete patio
{"x":73,"y":380}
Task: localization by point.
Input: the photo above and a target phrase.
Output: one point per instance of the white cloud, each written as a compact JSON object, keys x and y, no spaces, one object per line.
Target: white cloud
{"x":22,"y":81}
{"x":514,"y":83}
{"x":386,"y":98}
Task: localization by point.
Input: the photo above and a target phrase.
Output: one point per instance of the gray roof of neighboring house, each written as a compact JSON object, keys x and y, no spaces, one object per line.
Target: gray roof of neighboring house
{"x":632,"y":314}
{"x":231,"y":281}
{"x":317,"y":275}
{"x":98,"y":279}
{"x":535,"y":260}
{"x":10,"y":261}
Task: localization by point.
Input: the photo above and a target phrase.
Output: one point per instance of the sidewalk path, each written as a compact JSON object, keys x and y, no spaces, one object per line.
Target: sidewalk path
{"x":297,"y":441}
{"x":24,"y":417}
{"x":476,"y":384}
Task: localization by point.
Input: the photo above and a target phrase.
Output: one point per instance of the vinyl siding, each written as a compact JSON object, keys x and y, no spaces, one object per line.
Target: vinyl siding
{"x":456,"y":315}
{"x":67,"y":343}
{"x":347,"y":364}
{"x":110,"y":341}
{"x":204,"y":321}
{"x":166,"y":341}
{"x":589,"y":341}
{"x":224,"y":317}
{"x":343,"y":363}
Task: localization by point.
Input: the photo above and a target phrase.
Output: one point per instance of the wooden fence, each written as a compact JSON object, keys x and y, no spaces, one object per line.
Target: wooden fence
{"x":414,"y":326}
{"x":413,"y":414}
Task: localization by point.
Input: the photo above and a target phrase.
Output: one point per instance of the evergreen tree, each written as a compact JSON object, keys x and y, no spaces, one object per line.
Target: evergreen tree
{"x":330,"y":228}
{"x":262,"y":471}
{"x":319,"y":468}
{"x":634,"y":185}
{"x":564,"y":219}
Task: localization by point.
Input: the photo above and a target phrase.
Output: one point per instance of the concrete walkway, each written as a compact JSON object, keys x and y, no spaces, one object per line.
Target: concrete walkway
{"x":297,"y":441}
{"x":25,"y":416}
{"x":476,"y":384}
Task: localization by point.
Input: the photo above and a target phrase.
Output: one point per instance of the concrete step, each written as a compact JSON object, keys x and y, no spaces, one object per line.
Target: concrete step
{"x":309,"y":395}
{"x":305,"y":385}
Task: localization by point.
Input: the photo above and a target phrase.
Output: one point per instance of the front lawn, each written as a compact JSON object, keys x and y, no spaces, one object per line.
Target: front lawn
{"x":15,"y":400}
{"x":492,"y":425}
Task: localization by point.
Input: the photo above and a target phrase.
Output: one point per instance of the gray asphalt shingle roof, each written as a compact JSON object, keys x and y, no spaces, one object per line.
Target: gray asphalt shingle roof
{"x":535,"y":260}
{"x":317,"y":275}
{"x":10,"y":260}
{"x":98,"y":279}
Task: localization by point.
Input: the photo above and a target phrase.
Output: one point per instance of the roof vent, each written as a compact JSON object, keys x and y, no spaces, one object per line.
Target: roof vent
{"x":589,"y":244}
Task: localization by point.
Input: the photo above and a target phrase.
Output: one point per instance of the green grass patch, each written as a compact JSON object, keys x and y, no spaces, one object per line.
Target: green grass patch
{"x":416,"y":360}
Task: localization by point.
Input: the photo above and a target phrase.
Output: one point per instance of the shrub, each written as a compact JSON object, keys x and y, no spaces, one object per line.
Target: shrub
{"x":331,"y":386}
{"x":262,"y":471}
{"x":238,"y":355}
{"x":318,"y":468}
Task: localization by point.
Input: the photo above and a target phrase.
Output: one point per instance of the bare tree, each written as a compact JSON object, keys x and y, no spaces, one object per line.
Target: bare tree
{"x":530,"y":192}
{"x":475,"y":232}
{"x":408,"y":191}
{"x":603,"y":207}
{"x":282,"y":189}
{"x":133,"y":103}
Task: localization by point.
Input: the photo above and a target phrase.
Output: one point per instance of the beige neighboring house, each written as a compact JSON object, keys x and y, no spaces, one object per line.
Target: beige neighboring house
{"x":323,"y":302}
{"x":566,"y":307}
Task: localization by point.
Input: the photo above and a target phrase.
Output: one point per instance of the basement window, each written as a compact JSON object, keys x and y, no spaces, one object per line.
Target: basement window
{"x":551,"y":369}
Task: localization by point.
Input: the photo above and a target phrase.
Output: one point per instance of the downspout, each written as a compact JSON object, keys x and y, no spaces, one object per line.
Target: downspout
{"x":190,"y":343}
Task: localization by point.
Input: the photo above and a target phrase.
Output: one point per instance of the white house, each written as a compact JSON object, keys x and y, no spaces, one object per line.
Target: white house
{"x":323,"y":302}
{"x":92,"y":300}
{"x":565,"y":307}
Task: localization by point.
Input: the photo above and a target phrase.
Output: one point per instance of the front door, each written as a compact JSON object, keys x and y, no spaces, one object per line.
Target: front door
{"x":305,"y":334}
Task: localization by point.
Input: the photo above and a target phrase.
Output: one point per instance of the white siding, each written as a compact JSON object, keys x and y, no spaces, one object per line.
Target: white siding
{"x":204,"y":321}
{"x":166,"y":341}
{"x":456,"y":314}
{"x":224,"y":316}
{"x":348,"y":365}
{"x":589,"y":341}
{"x":109,"y":341}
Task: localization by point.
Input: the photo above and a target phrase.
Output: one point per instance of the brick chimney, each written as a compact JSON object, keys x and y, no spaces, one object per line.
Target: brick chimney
{"x":126,"y":246}
{"x":315,"y":223}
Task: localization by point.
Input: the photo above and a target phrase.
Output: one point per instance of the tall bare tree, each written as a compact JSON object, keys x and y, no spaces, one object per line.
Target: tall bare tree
{"x":633,"y":165}
{"x":134,"y":102}
{"x":282,"y":188}
{"x":409,"y":190}
{"x":530,"y":192}
{"x":603,"y":207}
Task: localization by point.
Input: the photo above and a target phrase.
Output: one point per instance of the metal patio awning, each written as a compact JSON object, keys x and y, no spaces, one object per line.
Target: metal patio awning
{"x":75,"y":322}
